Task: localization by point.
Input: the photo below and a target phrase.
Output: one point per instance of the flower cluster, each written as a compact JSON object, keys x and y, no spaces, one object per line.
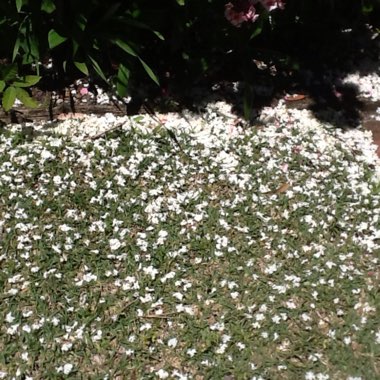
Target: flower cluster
{"x":241,"y":11}
{"x":126,"y":256}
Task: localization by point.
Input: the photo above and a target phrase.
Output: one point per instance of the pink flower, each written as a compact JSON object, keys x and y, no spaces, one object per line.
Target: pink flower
{"x":271,"y":5}
{"x":240,"y":11}
{"x":83,"y":91}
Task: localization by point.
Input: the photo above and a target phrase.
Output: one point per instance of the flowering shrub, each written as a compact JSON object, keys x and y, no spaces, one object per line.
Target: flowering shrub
{"x":182,"y":41}
{"x":244,"y":10}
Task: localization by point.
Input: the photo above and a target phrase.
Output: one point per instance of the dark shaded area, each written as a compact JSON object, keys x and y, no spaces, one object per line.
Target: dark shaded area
{"x":308,"y":54}
{"x":306,"y":49}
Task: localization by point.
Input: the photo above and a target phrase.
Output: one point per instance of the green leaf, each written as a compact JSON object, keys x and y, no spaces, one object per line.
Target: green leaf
{"x":48,"y":6}
{"x":123,"y":74}
{"x":19,"y":5}
{"x":122,"y":81}
{"x":257,"y":31}
{"x":2,"y":85}
{"x":8,"y":72}
{"x":181,"y":2}
{"x":366,"y":9}
{"x":28,"y":81}
{"x":81,"y":66}
{"x":75,"y":47}
{"x":9,"y":98}
{"x":149,"y":71}
{"x":124,"y":46}
{"x":121,"y":89}
{"x":33,"y":48}
{"x":98,"y":68}
{"x":31,"y":80}
{"x":16,"y":48}
{"x":159,"y":35}
{"x":82,"y":22}
{"x":25,"y":98}
{"x":55,"y":39}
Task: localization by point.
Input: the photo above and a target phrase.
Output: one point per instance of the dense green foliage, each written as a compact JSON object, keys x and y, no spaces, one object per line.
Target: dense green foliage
{"x":127,"y":43}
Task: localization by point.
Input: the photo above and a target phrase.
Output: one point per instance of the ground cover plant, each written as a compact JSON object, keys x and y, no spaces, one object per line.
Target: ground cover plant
{"x":208,"y":251}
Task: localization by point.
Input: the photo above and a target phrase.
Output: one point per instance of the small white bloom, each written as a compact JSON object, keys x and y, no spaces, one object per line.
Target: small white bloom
{"x":377,"y":337}
{"x":347,"y":340}
{"x":146,"y":326}
{"x":234,"y":295}
{"x":178,"y":295}
{"x":114,"y":244}
{"x":151,"y":271}
{"x":65,"y":228}
{"x":191,"y":352}
{"x":66,"y":368}
{"x":221,"y":349}
{"x":97,"y":336}
{"x":66,"y":346}
{"x":45,"y":154}
{"x":88,"y":277}
{"x":172,"y":342}
{"x":162,"y":374}
{"x":9,"y":318}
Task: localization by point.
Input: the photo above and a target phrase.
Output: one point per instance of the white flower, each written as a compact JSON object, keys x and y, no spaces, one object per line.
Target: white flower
{"x":310,"y":376}
{"x":66,"y":346}
{"x":191,"y":352}
{"x":162,"y":374}
{"x":178,"y":295}
{"x":57,"y":180}
{"x":219,"y":326}
{"x":150,"y":270}
{"x":270,"y":269}
{"x":377,"y":337}
{"x":221,"y":349}
{"x":172,"y":342}
{"x":13,"y":329}
{"x":55,"y":321}
{"x":114,"y":244}
{"x":45,"y":154}
{"x":65,"y":228}
{"x":88,"y":277}
{"x":66,"y":368}
{"x":347,"y":340}
{"x":146,"y":326}
{"x":97,"y":336}
{"x":9,"y":318}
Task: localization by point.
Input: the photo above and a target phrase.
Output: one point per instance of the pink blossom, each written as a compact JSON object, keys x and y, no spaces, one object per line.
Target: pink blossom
{"x":240,"y":11}
{"x":83,"y":91}
{"x":271,"y":5}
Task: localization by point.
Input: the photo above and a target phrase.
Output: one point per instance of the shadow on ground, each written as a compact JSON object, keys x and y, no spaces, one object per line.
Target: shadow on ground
{"x":312,"y":61}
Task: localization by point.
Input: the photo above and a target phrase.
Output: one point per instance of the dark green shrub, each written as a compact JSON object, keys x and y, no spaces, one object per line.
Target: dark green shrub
{"x":129,"y":43}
